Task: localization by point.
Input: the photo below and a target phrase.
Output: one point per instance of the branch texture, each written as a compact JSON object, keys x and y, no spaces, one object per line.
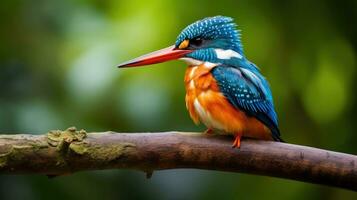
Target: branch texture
{"x":62,"y":152}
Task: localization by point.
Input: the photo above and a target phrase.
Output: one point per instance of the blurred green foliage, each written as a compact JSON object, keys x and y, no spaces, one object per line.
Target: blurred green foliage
{"x":57,"y":69}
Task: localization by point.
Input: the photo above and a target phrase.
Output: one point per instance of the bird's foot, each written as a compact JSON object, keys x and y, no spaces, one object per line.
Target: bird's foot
{"x":208,"y":131}
{"x":236,"y":143}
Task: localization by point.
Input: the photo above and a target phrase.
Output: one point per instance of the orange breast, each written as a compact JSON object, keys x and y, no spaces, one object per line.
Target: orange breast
{"x":208,"y":105}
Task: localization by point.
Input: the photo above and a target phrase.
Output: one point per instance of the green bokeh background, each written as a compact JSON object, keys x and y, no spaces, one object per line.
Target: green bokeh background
{"x":57,"y":69}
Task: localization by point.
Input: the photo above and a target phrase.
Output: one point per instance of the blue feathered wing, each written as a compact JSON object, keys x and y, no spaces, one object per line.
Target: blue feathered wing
{"x":248,"y":91}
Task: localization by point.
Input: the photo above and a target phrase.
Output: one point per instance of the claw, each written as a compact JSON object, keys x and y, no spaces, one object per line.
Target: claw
{"x":236,"y":143}
{"x":208,"y":131}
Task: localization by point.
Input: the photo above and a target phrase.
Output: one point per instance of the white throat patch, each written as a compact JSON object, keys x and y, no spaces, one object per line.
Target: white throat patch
{"x":192,"y":61}
{"x":227,"y":54}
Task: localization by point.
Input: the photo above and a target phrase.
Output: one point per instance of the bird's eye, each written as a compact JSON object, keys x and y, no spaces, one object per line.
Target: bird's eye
{"x":191,"y":44}
{"x":196,"y":42}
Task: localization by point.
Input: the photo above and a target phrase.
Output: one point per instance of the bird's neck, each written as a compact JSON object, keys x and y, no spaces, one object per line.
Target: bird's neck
{"x":196,"y":71}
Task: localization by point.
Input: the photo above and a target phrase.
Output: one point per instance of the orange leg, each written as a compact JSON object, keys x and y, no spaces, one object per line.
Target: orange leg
{"x":236,"y":143}
{"x":208,"y":131}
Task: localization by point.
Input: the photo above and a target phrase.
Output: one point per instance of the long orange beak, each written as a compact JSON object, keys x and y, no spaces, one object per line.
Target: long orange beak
{"x":163,"y":55}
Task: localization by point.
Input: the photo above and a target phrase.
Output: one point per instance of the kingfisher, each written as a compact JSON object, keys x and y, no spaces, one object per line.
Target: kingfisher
{"x":224,"y":90}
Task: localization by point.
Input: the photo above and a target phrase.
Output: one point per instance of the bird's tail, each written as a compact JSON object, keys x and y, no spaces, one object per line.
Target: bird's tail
{"x":276,"y":135}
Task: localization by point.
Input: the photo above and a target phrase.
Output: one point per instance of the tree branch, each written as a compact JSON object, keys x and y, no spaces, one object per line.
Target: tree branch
{"x":62,"y":152}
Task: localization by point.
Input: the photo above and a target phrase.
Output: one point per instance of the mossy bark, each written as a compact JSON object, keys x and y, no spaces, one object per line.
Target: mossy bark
{"x":64,"y":152}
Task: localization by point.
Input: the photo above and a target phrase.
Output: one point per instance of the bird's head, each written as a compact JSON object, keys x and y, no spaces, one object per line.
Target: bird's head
{"x":213,"y":39}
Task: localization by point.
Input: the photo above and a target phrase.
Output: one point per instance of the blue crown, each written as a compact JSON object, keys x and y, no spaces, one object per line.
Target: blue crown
{"x":219,"y":29}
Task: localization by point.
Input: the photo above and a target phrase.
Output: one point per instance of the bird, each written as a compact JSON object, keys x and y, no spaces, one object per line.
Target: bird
{"x":224,"y":90}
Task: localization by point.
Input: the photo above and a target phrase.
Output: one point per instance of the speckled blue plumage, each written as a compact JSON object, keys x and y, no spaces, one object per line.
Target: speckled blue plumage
{"x":220,"y":30}
{"x":238,"y":79}
{"x":248,"y":92}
